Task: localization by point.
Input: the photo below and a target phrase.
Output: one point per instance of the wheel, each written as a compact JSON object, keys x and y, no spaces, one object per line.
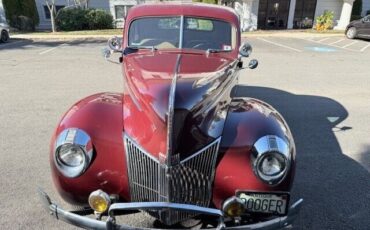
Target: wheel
{"x":4,"y":36}
{"x":351,"y":33}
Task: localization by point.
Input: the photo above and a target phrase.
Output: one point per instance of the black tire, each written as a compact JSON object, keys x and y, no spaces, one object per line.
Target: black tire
{"x":4,"y":36}
{"x":351,"y":33}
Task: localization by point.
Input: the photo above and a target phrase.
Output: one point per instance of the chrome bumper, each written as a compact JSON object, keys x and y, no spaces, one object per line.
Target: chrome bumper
{"x":89,"y":223}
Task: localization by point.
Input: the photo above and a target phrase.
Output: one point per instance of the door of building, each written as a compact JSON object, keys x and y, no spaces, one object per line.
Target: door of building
{"x":273,"y":14}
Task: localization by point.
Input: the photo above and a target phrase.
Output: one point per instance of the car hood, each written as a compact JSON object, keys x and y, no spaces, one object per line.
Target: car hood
{"x":175,"y":103}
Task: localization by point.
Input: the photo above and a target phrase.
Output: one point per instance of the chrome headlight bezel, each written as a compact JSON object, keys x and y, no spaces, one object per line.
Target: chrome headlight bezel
{"x":81,"y":141}
{"x":271,"y":146}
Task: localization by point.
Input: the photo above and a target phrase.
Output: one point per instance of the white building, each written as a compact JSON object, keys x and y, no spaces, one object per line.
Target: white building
{"x":292,"y":14}
{"x":2,"y":13}
{"x":254,"y":14}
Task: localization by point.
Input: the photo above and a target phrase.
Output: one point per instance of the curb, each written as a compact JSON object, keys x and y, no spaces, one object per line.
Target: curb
{"x":62,"y":37}
{"x":106,"y":37}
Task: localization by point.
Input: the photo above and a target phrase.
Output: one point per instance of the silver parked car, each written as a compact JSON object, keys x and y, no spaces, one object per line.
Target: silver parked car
{"x":4,"y":32}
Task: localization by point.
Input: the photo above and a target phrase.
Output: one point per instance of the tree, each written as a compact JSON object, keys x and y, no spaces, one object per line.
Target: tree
{"x":21,"y":14}
{"x":51,"y":6}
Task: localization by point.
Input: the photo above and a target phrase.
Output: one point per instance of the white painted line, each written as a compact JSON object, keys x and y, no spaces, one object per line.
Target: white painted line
{"x":280,"y":45}
{"x":340,"y":40}
{"x":352,"y":43}
{"x":364,"y":48}
{"x":336,"y":46}
{"x":51,"y":49}
{"x":324,"y":39}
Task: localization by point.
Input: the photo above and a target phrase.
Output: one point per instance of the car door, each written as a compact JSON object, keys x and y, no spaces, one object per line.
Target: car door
{"x":367,"y":25}
{"x":364,"y":29}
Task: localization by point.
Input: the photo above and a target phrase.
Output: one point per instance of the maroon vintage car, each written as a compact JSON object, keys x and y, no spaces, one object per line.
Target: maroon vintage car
{"x":176,"y":144}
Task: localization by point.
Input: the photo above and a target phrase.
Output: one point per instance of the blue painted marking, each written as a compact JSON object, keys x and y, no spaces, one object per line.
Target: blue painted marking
{"x":323,"y":49}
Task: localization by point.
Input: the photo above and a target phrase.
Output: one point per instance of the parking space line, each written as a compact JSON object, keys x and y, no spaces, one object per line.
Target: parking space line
{"x":51,"y":49}
{"x":336,"y":46}
{"x":324,"y":39}
{"x":364,"y":48}
{"x":352,"y":43}
{"x":280,"y":45}
{"x":340,"y":40}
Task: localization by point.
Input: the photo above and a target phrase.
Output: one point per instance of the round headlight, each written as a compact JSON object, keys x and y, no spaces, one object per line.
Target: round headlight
{"x":73,"y":152}
{"x":271,"y":159}
{"x":271,"y":167}
{"x":71,"y":155}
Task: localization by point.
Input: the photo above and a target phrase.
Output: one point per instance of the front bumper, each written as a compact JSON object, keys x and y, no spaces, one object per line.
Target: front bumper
{"x":89,"y":223}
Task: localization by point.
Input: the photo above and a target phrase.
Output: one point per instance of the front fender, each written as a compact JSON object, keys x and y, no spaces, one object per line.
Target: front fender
{"x":247,"y":120}
{"x":100,"y":116}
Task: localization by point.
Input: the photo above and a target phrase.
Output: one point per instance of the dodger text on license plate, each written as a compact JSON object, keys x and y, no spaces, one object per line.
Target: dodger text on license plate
{"x":265,"y":202}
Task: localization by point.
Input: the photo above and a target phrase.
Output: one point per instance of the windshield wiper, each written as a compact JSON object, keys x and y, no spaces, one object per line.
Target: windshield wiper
{"x":217,"y":50}
{"x":133,"y":49}
{"x":142,"y":47}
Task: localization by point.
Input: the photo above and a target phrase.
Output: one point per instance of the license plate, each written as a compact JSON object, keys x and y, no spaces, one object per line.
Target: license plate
{"x":274,"y":203}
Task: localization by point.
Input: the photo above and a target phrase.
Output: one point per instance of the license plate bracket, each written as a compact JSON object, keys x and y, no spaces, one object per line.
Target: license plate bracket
{"x":276,"y":203}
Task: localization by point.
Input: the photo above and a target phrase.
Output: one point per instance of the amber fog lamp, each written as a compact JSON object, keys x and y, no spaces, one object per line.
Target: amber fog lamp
{"x":99,"y":201}
{"x":233,"y":207}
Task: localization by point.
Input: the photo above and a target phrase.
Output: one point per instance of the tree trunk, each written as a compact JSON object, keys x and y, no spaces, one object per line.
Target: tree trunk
{"x":52,"y":18}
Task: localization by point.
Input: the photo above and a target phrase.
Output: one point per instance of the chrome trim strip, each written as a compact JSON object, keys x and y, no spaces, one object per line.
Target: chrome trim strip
{"x":164,"y":205}
{"x":171,"y":110}
{"x":181,"y":32}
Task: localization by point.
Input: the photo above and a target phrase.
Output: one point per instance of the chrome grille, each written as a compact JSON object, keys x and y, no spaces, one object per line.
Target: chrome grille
{"x":188,"y":182}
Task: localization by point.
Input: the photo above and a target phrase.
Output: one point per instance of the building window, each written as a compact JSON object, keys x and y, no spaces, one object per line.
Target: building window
{"x":47,"y":11}
{"x":304,"y":14}
{"x":121,"y":11}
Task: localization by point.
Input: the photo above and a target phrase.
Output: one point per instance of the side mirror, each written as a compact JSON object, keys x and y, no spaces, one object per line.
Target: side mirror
{"x":245,"y":49}
{"x":115,"y":44}
{"x":253,"y":64}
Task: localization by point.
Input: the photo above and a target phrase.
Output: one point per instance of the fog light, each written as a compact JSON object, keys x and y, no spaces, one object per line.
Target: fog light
{"x":99,"y":201}
{"x":233,"y":207}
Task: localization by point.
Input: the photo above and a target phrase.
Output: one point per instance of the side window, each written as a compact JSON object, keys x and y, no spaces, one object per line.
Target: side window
{"x":367,"y":18}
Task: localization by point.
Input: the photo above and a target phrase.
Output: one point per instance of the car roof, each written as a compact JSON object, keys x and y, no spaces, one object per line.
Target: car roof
{"x":188,"y":9}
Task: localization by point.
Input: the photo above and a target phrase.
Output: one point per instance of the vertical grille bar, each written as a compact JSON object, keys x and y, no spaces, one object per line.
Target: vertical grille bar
{"x":188,"y":182}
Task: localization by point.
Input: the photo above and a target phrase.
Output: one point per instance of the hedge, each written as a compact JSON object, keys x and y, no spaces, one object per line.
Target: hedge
{"x":21,"y":14}
{"x":83,"y":19}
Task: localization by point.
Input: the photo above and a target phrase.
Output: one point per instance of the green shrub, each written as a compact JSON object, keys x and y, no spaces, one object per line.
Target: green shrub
{"x":21,"y":14}
{"x":72,"y":19}
{"x":325,"y":21}
{"x":83,"y":19}
{"x":99,"y":19}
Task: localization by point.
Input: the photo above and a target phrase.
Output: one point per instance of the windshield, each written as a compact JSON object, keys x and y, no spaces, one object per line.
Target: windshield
{"x":182,"y":32}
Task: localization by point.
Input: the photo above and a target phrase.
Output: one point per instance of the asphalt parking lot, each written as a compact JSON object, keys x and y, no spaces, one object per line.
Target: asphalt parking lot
{"x":320,"y":85}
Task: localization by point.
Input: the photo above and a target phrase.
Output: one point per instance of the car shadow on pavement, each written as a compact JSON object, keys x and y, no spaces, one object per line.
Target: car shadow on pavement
{"x":335,"y":188}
